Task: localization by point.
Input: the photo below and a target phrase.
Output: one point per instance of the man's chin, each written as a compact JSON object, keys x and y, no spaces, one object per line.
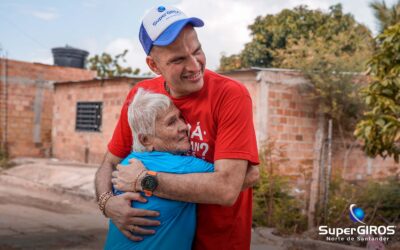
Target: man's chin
{"x":195,"y":86}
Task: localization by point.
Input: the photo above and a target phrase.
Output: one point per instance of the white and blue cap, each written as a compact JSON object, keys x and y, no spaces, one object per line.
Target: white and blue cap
{"x":162,"y":25}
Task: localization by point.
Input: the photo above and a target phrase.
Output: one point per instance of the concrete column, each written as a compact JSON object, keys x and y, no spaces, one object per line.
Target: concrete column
{"x":262,"y":109}
{"x":4,"y":106}
{"x":37,"y":111}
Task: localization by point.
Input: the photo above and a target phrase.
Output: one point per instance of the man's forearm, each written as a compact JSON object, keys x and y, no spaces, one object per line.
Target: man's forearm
{"x":220,"y":187}
{"x":103,"y":174}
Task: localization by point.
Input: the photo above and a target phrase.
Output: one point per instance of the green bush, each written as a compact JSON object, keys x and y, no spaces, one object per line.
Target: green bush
{"x":379,"y":200}
{"x":4,"y":160}
{"x":273,"y":205}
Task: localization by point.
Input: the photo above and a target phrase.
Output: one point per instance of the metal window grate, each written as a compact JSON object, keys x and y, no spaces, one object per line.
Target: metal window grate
{"x":88,"y":116}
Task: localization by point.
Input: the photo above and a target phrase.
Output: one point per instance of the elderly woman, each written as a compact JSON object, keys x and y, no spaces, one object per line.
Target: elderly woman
{"x":160,"y":140}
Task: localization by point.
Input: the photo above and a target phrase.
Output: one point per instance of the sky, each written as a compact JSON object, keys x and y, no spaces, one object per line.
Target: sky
{"x":30,"y":28}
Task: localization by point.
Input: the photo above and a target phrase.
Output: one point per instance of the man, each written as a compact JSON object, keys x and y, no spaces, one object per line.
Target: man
{"x":218,"y":111}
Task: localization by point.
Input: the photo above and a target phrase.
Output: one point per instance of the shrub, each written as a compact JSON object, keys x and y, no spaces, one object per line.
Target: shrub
{"x":273,"y":205}
{"x":379,"y":200}
{"x":4,"y":160}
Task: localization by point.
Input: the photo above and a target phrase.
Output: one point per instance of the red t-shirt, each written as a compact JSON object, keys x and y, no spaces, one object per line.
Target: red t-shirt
{"x":220,"y":119}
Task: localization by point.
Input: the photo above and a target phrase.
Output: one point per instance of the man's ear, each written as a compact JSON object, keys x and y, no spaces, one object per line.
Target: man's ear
{"x":146,"y":141}
{"x":152,"y":65}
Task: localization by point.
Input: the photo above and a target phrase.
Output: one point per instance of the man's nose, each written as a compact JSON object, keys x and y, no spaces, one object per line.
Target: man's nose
{"x":193,"y":64}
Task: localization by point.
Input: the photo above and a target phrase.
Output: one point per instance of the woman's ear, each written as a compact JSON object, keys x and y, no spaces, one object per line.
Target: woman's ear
{"x":146,"y":141}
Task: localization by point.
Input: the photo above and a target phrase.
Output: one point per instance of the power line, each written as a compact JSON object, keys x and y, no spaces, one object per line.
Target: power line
{"x":24,"y":33}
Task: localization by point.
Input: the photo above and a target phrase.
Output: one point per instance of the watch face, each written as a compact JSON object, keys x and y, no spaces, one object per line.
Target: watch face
{"x":149,"y":183}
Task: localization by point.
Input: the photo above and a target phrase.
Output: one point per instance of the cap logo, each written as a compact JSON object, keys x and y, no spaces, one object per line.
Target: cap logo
{"x":170,"y":12}
{"x":162,"y":25}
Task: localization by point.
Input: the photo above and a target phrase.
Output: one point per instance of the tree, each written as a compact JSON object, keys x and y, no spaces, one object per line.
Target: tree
{"x":279,"y":32}
{"x":386,"y":16}
{"x":328,"y":47}
{"x":330,"y":56}
{"x":380,"y":128}
{"x":107,"y":66}
{"x":331,"y":67}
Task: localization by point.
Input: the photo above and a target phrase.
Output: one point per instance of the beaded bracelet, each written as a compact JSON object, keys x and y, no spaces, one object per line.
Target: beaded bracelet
{"x":103,"y":198}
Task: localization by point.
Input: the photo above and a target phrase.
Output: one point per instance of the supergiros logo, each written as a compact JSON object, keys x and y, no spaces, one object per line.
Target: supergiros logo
{"x":365,"y":232}
{"x":356,"y":214}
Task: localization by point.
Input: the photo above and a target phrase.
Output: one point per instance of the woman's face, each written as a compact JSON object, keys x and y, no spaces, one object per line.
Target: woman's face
{"x":171,"y":132}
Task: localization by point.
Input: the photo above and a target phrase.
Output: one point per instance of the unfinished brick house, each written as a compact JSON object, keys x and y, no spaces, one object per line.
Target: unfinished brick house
{"x":85,"y":114}
{"x":26,"y":104}
{"x":283,"y":114}
{"x":280,"y":113}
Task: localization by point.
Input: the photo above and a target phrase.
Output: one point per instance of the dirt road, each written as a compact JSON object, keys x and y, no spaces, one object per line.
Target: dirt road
{"x":36,"y":218}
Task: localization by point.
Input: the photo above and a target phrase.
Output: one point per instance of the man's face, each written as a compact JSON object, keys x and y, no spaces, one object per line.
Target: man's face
{"x":181,"y":63}
{"x":171,"y":132}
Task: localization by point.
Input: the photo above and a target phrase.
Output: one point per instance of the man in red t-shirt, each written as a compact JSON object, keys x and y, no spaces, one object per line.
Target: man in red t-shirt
{"x":218,"y":111}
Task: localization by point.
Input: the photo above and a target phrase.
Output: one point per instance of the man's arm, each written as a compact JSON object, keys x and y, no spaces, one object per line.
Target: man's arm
{"x":103,"y":174}
{"x":127,"y":219}
{"x":220,"y":187}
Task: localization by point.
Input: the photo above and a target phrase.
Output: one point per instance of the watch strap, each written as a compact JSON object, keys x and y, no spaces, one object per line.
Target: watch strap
{"x":153,"y":173}
{"x":149,"y":193}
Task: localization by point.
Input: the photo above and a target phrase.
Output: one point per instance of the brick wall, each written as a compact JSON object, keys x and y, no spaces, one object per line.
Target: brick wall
{"x":26,"y":116}
{"x":69,"y":144}
{"x":360,"y":167}
{"x":283,"y":113}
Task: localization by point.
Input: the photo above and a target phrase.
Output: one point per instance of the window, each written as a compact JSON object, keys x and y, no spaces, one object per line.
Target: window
{"x":88,"y":116}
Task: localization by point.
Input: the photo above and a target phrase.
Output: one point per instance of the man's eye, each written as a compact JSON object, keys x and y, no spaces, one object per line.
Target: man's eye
{"x":178,"y":61}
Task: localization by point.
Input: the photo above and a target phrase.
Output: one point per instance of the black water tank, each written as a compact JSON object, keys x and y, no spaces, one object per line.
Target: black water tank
{"x":69,"y":57}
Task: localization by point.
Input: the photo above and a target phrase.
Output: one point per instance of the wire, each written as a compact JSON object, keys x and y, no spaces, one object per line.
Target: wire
{"x":24,"y":33}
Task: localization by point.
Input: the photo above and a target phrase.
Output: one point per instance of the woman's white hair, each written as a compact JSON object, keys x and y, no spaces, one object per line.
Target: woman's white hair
{"x":143,"y":111}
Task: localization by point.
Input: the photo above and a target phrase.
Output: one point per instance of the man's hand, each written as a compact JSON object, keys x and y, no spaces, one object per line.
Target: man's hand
{"x":252,"y":177}
{"x":125,"y":177}
{"x":127,"y":219}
